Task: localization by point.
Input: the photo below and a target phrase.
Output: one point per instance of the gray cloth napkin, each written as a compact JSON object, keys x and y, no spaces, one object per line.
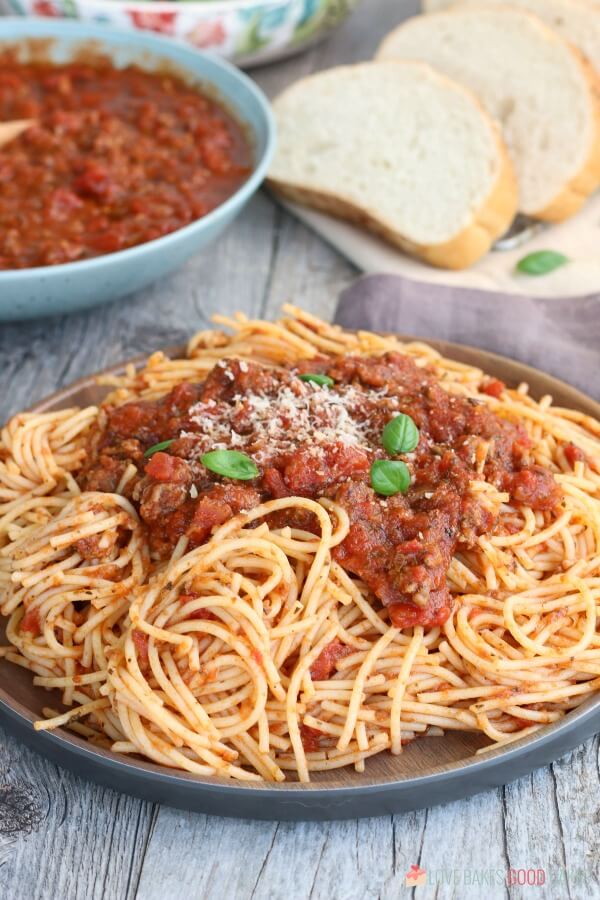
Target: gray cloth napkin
{"x":561,"y":337}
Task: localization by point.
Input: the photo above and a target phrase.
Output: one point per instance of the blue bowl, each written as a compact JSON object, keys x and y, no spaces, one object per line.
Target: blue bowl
{"x":49,"y":290}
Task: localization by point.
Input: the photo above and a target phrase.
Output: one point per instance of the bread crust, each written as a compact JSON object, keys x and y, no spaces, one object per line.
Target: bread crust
{"x":570,"y":200}
{"x":575,"y":192}
{"x":489,"y":222}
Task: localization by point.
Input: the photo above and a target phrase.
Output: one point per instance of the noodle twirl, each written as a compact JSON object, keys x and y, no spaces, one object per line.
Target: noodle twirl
{"x":300,"y":547}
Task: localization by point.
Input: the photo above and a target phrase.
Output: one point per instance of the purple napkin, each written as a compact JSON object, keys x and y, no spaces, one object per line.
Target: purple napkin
{"x":561,"y":337}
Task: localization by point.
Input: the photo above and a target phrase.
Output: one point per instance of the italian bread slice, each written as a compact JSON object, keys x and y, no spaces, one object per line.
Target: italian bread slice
{"x":401,"y":150}
{"x":578,"y":21}
{"x":533,"y":82}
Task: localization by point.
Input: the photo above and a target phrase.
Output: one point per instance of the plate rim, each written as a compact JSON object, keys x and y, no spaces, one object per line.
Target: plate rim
{"x":561,"y":736}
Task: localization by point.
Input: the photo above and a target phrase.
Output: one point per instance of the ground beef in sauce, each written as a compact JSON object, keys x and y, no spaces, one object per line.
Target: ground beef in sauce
{"x":316,"y":441}
{"x":115,"y":158}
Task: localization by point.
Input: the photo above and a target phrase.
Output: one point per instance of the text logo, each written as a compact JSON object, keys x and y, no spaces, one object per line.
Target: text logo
{"x":415,"y":877}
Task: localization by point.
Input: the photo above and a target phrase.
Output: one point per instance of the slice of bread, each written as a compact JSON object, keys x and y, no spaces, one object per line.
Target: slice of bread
{"x":578,"y":21}
{"x":400,"y":150}
{"x":533,"y":82}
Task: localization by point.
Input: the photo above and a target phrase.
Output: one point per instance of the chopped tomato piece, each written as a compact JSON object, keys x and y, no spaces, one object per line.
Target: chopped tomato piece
{"x":494,"y":388}
{"x":221,"y":503}
{"x":166,"y":468}
{"x":95,"y":180}
{"x":140,"y":640}
{"x":407,"y":615}
{"x":325,"y":663}
{"x":31,"y":622}
{"x":311,"y":738}
{"x":574,"y":454}
{"x":537,"y":488}
{"x":273,"y":483}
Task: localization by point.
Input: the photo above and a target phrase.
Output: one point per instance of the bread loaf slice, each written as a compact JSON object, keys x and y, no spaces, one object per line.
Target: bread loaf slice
{"x":400,"y":150}
{"x":533,"y":82}
{"x":578,"y":21}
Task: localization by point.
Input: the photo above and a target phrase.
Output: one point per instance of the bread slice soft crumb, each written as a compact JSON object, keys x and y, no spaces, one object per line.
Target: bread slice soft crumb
{"x":578,"y":21}
{"x":401,"y":150}
{"x":538,"y":86}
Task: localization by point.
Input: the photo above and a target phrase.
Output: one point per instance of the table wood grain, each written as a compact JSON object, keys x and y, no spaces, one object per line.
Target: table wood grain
{"x":62,"y":838}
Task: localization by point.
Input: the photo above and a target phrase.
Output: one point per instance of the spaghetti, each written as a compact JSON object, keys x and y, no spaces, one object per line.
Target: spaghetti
{"x":231,"y":627}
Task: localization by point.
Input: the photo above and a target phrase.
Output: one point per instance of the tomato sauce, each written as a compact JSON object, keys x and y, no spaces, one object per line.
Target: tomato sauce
{"x":312,"y":739}
{"x":574,"y":454}
{"x":141,"y":641}
{"x":116,"y":157}
{"x":320,"y":441}
{"x":31,"y":622}
{"x":326,"y":662}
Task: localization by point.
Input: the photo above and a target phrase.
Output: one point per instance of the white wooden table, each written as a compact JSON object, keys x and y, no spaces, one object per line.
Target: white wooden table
{"x":62,"y":838}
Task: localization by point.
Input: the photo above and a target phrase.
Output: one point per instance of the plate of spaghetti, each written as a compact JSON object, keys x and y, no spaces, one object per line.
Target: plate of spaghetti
{"x":295,"y":572}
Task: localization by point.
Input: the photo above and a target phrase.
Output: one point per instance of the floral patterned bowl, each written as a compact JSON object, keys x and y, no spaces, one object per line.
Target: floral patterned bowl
{"x":248,"y":32}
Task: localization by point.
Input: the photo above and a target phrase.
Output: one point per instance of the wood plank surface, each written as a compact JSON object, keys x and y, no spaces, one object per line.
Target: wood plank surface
{"x":62,"y":838}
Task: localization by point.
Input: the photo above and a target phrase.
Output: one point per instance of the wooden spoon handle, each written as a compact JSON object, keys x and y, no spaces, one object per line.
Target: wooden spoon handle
{"x":10,"y":130}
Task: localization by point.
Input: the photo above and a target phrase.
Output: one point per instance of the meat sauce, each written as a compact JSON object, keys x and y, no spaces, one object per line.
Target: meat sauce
{"x":116,"y":157}
{"x":325,"y":664}
{"x":315,"y":441}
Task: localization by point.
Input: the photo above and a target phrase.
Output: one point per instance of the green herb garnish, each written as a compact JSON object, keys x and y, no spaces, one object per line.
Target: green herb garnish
{"x":156,"y":447}
{"x":323,"y":380}
{"x":389,"y":477}
{"x":230,"y":464}
{"x":541,"y":263}
{"x":400,"y":435}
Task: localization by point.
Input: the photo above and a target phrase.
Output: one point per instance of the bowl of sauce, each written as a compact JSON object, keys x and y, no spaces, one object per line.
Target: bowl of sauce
{"x":139,"y":153}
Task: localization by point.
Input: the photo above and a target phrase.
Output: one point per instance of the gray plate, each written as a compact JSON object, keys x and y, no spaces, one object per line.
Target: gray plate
{"x":430,"y":771}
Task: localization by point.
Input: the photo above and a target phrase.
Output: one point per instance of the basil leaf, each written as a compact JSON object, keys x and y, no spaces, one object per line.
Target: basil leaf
{"x":400,"y":435}
{"x":230,"y":464}
{"x":541,"y":262}
{"x":156,"y":447}
{"x":323,"y":380}
{"x":389,"y":477}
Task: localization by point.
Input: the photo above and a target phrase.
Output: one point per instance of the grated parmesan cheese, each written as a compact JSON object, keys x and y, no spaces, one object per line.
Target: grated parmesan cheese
{"x":295,"y":414}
